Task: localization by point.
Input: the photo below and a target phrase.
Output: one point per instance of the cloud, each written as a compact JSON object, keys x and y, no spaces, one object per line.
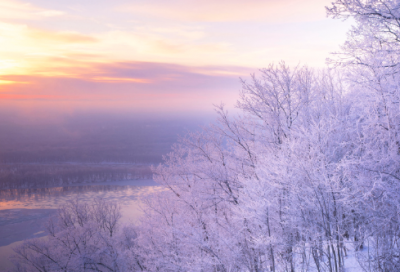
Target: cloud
{"x":60,"y":37}
{"x":143,"y":45}
{"x":31,"y":50}
{"x":275,"y":11}
{"x":67,"y":45}
{"x":27,"y":50}
{"x":12,"y":9}
{"x":176,"y":31}
{"x":119,"y":79}
{"x":132,"y":85}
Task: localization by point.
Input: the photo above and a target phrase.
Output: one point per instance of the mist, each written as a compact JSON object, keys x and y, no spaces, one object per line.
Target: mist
{"x":92,"y":138}
{"x":55,"y":148}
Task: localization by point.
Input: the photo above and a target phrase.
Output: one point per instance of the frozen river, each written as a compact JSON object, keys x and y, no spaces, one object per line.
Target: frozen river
{"x":24,"y":211}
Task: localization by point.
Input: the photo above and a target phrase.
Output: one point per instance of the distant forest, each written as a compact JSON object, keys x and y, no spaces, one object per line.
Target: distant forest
{"x":14,"y":176}
{"x":83,"y":150}
{"x":87,"y":138}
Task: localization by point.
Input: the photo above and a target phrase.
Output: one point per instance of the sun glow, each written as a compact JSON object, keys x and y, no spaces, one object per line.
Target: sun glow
{"x":150,"y":53}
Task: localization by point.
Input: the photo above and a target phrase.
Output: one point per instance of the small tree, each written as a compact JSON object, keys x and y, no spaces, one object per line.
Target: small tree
{"x":81,"y":237}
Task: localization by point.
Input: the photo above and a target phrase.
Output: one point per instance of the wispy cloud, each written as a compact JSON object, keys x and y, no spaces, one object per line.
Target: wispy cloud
{"x":230,"y":10}
{"x":59,"y":37}
{"x":152,"y":54}
{"x":19,"y":10}
{"x":135,"y":85}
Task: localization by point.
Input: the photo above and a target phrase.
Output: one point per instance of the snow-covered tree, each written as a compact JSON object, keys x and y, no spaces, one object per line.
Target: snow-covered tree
{"x":370,"y":58}
{"x":82,"y":237}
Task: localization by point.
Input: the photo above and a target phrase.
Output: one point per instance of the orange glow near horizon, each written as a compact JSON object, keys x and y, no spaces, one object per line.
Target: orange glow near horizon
{"x":148,"y":51}
{"x":120,"y":79}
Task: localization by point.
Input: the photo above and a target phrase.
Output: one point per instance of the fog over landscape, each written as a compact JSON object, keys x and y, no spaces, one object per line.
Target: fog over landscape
{"x":82,"y":148}
{"x":99,"y":138}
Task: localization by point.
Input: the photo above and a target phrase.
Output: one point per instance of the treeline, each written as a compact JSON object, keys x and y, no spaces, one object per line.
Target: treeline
{"x":51,"y":175}
{"x":27,"y":194}
{"x":88,"y":139}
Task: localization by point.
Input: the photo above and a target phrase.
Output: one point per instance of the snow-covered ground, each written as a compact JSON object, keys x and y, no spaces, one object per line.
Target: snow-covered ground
{"x":351,"y":264}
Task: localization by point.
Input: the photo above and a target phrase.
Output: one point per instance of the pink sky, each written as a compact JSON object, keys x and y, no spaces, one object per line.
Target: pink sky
{"x":153,"y":55}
